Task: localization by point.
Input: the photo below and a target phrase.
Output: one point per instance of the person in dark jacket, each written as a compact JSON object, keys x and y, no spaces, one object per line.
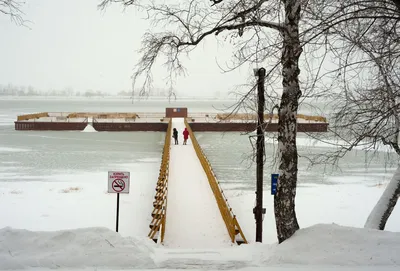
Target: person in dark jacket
{"x":175,"y":136}
{"x":185,"y":136}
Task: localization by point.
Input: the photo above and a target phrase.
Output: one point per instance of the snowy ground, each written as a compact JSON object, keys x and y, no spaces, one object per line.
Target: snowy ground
{"x":321,"y":247}
{"x":72,"y":203}
{"x":344,"y":204}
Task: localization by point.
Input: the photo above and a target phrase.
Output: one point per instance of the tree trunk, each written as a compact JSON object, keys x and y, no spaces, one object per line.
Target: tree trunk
{"x":380,"y":214}
{"x":284,"y":201}
{"x":397,"y":3}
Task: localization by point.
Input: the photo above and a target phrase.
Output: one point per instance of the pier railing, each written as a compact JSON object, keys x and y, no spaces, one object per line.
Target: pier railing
{"x":159,"y":214}
{"x":246,"y":117}
{"x":131,"y":117}
{"x":32,"y":116}
{"x":227,"y":214}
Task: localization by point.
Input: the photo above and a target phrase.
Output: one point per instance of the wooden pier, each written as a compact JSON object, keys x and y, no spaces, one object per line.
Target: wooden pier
{"x":158,"y":122}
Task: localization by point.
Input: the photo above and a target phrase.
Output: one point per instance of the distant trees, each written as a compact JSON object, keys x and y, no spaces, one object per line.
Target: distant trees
{"x":92,"y":93}
{"x":124,"y":93}
{"x":14,"y":90}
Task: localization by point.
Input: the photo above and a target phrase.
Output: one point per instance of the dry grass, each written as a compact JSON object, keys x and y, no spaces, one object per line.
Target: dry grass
{"x":380,"y":185}
{"x":71,"y":190}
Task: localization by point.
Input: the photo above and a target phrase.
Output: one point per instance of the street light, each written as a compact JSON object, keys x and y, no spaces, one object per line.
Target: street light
{"x":258,"y":210}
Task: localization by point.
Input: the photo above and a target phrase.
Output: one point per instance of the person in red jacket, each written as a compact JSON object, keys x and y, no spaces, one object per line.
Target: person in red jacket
{"x":185,"y":136}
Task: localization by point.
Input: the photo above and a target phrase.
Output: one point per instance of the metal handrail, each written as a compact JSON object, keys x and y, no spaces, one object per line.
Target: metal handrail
{"x":232,"y":225}
{"x":160,"y":203}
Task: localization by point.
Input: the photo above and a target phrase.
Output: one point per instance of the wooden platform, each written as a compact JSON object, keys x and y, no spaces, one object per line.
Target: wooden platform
{"x":157,"y":122}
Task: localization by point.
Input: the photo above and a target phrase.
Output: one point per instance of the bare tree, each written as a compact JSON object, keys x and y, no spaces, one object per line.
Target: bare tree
{"x":362,"y":35}
{"x":12,"y":8}
{"x":262,"y":30}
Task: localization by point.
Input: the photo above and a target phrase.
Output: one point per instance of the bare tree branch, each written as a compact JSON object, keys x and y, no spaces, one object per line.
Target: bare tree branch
{"x":366,"y":108}
{"x":12,"y":8}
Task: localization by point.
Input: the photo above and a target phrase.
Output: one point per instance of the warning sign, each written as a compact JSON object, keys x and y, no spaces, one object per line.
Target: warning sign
{"x":118,"y":185}
{"x":118,"y":182}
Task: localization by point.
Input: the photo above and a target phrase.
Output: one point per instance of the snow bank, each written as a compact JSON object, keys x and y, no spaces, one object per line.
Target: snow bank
{"x":321,"y":245}
{"x":89,"y":129}
{"x":375,"y":218}
{"x":313,"y":248}
{"x":89,"y":247}
{"x":324,"y":244}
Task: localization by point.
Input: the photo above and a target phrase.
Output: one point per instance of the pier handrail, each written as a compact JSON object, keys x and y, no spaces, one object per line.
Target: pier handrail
{"x":118,"y":116}
{"x":253,"y":117}
{"x":232,"y":225}
{"x":160,"y":199}
{"x":250,"y":117}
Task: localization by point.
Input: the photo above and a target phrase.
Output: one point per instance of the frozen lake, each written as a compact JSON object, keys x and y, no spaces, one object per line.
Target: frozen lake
{"x":37,"y":155}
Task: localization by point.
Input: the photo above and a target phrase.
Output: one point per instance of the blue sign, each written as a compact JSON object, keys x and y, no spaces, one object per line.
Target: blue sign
{"x":178,"y":109}
{"x":274,"y":183}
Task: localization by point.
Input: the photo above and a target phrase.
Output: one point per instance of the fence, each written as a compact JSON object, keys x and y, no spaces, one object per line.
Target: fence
{"x":229,"y":218}
{"x":160,"y":199}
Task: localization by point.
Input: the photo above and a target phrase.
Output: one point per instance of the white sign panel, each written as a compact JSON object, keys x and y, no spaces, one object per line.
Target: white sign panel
{"x":118,"y":182}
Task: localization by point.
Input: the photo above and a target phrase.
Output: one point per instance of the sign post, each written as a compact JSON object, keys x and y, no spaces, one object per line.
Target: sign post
{"x":117,"y":222}
{"x":118,"y":182}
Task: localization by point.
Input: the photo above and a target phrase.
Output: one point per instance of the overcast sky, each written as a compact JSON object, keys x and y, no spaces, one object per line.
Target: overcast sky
{"x":73,"y":44}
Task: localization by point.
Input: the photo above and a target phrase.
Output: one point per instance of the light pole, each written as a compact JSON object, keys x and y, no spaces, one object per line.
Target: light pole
{"x":258,"y":209}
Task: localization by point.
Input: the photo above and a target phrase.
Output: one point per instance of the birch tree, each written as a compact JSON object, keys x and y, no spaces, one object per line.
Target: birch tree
{"x":363,"y":38}
{"x":261,"y":29}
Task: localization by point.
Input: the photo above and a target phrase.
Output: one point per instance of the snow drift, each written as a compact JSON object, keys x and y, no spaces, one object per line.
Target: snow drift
{"x":317,"y":246}
{"x":387,"y":202}
{"x":89,"y":247}
{"x":324,"y":244}
{"x":89,"y":129}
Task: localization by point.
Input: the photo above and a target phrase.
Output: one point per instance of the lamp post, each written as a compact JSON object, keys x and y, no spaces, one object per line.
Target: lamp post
{"x":258,"y":210}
